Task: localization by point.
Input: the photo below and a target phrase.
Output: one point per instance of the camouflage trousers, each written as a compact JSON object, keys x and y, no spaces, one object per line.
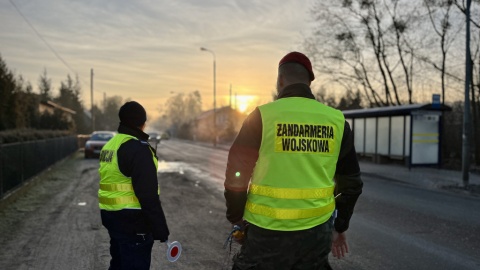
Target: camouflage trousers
{"x":280,"y":250}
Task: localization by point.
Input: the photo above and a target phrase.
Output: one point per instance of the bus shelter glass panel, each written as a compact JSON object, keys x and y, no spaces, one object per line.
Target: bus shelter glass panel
{"x":370,"y":135}
{"x":383,"y":135}
{"x":359,"y":129}
{"x":350,"y":122}
{"x":397,"y":136}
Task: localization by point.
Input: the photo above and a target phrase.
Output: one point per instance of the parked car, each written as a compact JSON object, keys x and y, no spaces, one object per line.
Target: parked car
{"x":165,"y":135}
{"x":96,"y":142}
{"x":154,"y":138}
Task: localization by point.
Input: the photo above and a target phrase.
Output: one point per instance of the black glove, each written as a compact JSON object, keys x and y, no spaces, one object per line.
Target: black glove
{"x":162,"y":233}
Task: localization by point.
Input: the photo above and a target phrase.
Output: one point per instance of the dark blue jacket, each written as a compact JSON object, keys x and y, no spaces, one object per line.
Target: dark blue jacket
{"x":135,"y":161}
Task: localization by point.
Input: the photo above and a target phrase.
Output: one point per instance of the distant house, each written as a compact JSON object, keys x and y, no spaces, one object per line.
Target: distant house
{"x":51,"y":107}
{"x":228,"y":123}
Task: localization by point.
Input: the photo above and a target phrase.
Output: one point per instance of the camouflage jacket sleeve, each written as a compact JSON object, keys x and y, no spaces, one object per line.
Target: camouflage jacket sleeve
{"x":242,"y":158}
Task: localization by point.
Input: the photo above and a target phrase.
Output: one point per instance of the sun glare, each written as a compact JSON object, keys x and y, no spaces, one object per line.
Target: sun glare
{"x":243,"y":103}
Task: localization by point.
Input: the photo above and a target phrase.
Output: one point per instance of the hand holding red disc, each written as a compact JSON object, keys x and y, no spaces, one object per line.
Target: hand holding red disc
{"x":174,"y":251}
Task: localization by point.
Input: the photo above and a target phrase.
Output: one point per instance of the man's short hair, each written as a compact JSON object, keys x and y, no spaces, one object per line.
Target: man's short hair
{"x":294,"y":72}
{"x":300,"y":58}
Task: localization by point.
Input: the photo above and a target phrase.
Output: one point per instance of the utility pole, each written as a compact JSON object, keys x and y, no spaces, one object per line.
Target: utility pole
{"x":91,"y":99}
{"x":230,"y":96}
{"x":466,"y":107}
{"x":214,"y":101}
{"x":214,"y":95}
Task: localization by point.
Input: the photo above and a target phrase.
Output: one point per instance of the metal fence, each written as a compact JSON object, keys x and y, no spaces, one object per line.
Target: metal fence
{"x":21,"y":161}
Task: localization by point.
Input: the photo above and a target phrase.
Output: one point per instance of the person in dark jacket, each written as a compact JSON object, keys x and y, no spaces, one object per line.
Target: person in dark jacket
{"x":293,"y":177}
{"x":128,"y":195}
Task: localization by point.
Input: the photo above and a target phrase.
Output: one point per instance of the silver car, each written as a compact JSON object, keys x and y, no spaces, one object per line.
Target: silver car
{"x":96,"y":142}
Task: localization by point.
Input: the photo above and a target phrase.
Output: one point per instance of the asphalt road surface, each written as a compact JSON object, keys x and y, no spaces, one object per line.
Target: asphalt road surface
{"x":56,"y":224}
{"x":395,"y":225}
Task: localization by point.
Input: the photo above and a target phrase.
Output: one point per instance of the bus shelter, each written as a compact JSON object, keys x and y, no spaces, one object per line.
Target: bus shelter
{"x":407,"y":133}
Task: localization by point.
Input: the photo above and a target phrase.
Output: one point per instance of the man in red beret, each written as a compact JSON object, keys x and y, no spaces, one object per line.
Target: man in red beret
{"x":292,"y":177}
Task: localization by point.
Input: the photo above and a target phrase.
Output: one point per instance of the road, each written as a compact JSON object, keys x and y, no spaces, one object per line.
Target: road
{"x":398,"y":226}
{"x":56,"y":224}
{"x":395,"y":225}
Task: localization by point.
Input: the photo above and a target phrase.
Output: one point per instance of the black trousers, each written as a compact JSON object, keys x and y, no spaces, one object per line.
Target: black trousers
{"x":285,"y":250}
{"x":130,"y":251}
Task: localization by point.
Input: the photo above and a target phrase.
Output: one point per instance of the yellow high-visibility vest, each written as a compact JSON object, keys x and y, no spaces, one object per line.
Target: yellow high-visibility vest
{"x":116,"y":190}
{"x":292,"y":184}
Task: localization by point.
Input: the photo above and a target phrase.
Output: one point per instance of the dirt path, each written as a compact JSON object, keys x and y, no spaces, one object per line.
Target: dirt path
{"x":53,"y":226}
{"x":56,"y":224}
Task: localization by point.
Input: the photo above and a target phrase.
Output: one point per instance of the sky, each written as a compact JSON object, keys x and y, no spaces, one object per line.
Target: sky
{"x":148,"y":51}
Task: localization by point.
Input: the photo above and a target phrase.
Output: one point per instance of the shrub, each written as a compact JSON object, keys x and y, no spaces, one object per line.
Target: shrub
{"x":22,"y":135}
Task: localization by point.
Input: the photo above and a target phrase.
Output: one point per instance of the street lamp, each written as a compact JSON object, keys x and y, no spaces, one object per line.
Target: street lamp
{"x":214,"y":97}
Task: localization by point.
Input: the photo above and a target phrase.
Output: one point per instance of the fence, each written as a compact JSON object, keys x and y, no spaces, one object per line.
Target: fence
{"x":21,"y":161}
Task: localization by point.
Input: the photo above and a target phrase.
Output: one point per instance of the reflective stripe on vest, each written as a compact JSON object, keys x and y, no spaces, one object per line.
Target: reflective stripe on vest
{"x":292,"y":183}
{"x":291,"y":193}
{"x":116,"y":187}
{"x":119,"y":187}
{"x":118,"y":200}
{"x":285,"y":214}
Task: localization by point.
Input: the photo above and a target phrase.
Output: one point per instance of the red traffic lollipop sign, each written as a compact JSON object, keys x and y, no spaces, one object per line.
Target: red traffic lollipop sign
{"x":174,"y":251}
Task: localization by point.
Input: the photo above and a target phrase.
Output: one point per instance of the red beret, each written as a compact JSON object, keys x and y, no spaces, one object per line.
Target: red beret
{"x":298,"y":58}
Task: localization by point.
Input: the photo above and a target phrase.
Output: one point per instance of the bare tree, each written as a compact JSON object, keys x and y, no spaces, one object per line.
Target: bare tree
{"x":181,"y":110}
{"x":325,"y":98}
{"x":400,"y":26}
{"x":441,"y":25}
{"x":45,"y":86}
{"x":462,"y":6}
{"x":363,"y":43}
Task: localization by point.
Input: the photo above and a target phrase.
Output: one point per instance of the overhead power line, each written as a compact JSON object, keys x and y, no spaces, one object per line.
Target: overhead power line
{"x":59,"y":57}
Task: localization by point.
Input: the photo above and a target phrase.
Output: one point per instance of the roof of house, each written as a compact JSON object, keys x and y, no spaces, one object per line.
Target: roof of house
{"x":208,"y":113}
{"x":56,"y":106}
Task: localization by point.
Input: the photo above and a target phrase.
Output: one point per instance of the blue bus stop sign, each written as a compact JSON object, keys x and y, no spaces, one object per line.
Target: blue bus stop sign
{"x":436,"y":101}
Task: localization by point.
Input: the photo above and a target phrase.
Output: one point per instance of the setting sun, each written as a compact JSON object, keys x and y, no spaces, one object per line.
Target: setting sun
{"x":245,"y":103}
